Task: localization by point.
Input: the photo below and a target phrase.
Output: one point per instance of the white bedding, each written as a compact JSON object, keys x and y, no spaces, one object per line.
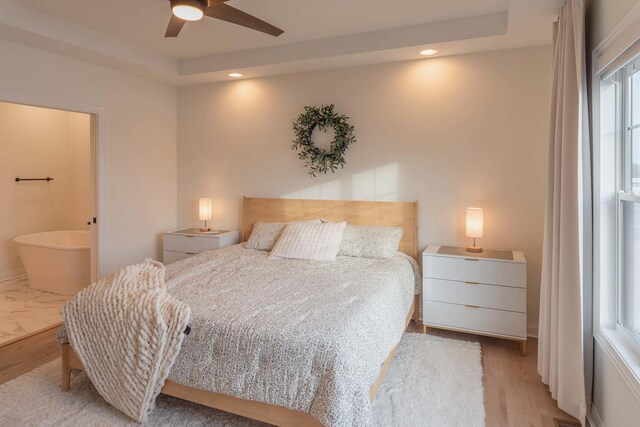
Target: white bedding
{"x":307,"y":335}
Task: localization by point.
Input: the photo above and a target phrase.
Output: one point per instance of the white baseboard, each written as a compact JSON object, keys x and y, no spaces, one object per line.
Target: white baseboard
{"x":12,"y":274}
{"x":594,"y":418}
{"x":532,"y":330}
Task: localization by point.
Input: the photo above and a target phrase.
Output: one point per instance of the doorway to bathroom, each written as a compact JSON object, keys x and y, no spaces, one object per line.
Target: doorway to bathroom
{"x":48,"y":213}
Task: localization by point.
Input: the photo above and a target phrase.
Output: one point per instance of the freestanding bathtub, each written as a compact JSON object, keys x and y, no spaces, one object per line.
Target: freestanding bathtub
{"x":57,"y":261}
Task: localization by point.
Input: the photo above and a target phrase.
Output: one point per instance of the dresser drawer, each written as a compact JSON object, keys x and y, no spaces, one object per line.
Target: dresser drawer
{"x":195,"y":244}
{"x":475,"y":270}
{"x":472,"y":293}
{"x":483,"y":320}
{"x":169,"y":257}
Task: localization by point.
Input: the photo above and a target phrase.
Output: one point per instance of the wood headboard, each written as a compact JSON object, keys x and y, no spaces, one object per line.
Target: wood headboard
{"x":397,"y":214}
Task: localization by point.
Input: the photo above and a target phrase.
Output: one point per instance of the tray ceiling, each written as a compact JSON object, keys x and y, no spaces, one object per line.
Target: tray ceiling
{"x":129,"y":34}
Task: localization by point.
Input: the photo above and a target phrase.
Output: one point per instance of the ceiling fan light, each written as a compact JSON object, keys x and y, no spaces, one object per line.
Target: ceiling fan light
{"x":189,"y":10}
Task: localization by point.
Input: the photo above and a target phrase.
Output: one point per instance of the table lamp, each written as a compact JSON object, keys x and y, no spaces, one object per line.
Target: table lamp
{"x":475,"y":222}
{"x":204,"y":212}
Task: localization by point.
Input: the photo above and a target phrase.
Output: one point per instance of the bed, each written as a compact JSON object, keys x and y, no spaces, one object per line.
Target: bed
{"x":291,"y":334}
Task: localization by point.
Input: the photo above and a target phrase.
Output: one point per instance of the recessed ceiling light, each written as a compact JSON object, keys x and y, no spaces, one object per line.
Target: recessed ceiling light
{"x":189,"y":10}
{"x":235,"y":75}
{"x":428,"y":52}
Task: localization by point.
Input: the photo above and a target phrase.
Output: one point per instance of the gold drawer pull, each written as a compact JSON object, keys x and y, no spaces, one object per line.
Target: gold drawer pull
{"x":471,"y":283}
{"x":471,"y":306}
{"x":471,"y":259}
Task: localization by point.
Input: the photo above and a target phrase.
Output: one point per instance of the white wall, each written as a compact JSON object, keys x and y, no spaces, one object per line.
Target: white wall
{"x":603,"y":16}
{"x":450,"y":132}
{"x":139,"y":196}
{"x":35,"y":143}
{"x":613,"y":401}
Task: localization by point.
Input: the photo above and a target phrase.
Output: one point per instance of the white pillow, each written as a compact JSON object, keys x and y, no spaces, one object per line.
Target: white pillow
{"x":369,"y":241}
{"x":265,"y":234}
{"x":315,"y":242}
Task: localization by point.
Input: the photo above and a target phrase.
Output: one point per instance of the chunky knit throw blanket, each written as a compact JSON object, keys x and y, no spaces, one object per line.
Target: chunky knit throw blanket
{"x":127,"y":332}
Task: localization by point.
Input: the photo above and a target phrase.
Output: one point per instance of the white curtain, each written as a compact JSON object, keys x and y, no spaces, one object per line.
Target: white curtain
{"x":566,"y":262}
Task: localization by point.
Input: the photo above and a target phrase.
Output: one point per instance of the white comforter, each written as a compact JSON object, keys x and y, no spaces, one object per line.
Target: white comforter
{"x":310,"y":336}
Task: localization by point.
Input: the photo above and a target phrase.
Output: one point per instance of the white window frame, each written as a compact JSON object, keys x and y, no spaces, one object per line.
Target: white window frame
{"x":611,"y":54}
{"x":624,"y":186}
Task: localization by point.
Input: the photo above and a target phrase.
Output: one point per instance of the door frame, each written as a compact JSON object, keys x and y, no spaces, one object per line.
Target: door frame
{"x":97,"y":151}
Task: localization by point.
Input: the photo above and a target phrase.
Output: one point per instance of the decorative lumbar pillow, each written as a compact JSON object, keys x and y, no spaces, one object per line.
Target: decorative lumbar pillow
{"x":265,"y":234}
{"x":315,"y":242}
{"x":368,"y":241}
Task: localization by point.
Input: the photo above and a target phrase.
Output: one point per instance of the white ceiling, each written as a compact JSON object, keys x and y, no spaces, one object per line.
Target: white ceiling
{"x":129,"y":34}
{"x":143,"y":22}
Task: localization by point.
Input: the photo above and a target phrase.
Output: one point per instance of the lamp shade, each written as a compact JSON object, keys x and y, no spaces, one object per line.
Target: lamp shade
{"x":204,"y":209}
{"x":475,"y":222}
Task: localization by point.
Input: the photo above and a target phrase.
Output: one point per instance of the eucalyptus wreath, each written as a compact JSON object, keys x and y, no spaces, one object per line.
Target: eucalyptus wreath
{"x":320,"y":160}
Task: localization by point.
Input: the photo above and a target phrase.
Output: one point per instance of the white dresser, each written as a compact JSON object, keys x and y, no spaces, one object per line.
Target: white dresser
{"x":483,"y":293}
{"x":180,"y":244}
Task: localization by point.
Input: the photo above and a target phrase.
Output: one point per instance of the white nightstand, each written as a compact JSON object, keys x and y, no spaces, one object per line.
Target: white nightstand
{"x":184,"y":243}
{"x":480,"y":293}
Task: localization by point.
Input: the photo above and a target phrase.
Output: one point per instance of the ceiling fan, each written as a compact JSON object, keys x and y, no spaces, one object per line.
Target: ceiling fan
{"x":194,"y":10}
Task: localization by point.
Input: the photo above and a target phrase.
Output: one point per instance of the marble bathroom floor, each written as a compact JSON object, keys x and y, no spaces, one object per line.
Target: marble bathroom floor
{"x":24,"y":310}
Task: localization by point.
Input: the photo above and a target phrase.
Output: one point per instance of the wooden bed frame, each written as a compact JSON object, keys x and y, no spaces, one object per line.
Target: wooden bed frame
{"x":396,"y":214}
{"x":403,"y":214}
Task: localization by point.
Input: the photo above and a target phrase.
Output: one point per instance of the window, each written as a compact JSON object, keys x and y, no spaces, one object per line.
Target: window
{"x":616,"y":198}
{"x":628,"y":198}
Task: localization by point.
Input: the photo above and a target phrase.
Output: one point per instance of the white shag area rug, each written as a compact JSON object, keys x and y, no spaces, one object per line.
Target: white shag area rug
{"x":432,"y":381}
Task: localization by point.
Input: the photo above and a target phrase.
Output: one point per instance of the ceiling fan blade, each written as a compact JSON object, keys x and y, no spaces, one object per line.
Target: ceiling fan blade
{"x":215,"y":2}
{"x":238,"y":17}
{"x":174,"y":27}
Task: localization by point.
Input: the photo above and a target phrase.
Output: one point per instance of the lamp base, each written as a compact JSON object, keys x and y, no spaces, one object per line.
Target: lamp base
{"x":474,"y":249}
{"x":205,"y":229}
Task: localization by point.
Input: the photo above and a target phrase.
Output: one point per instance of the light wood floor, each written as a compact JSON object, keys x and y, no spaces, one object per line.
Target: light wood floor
{"x":513,"y":392}
{"x":26,"y":353}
